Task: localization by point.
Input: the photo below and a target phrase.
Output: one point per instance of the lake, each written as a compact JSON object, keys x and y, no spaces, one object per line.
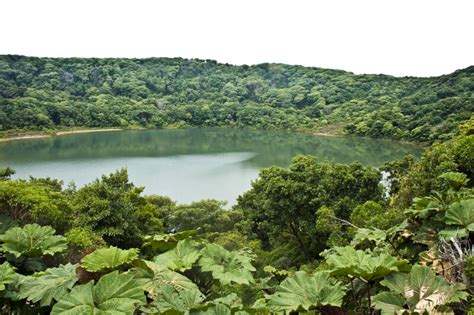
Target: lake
{"x":186,"y":164}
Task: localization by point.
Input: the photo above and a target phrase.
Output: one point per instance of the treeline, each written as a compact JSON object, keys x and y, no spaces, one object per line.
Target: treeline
{"x":47,"y":94}
{"x":316,"y":236}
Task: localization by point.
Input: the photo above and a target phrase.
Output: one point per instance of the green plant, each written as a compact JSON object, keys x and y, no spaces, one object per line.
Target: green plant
{"x":419,"y":291}
{"x":108,"y":259}
{"x":305,"y":292}
{"x":114,"y":293}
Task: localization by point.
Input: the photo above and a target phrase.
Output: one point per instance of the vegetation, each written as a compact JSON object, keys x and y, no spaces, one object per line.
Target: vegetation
{"x":316,"y":237}
{"x":43,"y":94}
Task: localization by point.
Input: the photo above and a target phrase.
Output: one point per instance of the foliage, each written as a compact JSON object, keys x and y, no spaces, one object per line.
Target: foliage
{"x":418,"y":291}
{"x":282,"y":205}
{"x":227,"y":267}
{"x":346,"y":261}
{"x":6,"y":173}
{"x":114,"y":293}
{"x":460,"y":218}
{"x":153,"y":277}
{"x":205,"y":215}
{"x":6,"y":275}
{"x":181,"y":258}
{"x":108,"y":259}
{"x":113,"y":208}
{"x":55,"y":93}
{"x":423,"y":178}
{"x":30,"y":202}
{"x":51,"y":284}
{"x":164,"y":242}
{"x":32,"y":240}
{"x":304,"y":292}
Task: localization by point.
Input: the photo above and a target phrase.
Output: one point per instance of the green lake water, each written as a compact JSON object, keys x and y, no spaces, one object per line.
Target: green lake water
{"x":186,"y":164}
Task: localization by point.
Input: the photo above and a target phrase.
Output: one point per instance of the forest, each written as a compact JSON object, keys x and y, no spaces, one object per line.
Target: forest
{"x":48,"y":94}
{"x":316,"y":237}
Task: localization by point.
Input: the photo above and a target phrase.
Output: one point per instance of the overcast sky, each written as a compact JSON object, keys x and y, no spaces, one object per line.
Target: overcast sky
{"x":398,"y":37}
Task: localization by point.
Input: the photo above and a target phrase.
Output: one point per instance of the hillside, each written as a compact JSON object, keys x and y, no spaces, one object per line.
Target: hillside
{"x":55,"y":93}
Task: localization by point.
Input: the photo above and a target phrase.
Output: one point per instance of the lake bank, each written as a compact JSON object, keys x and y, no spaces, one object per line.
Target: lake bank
{"x":42,"y":134}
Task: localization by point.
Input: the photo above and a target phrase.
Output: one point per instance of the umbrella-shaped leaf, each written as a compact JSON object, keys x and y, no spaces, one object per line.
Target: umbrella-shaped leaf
{"x":419,"y":291}
{"x":304,"y":292}
{"x":174,"y":301}
{"x":165,"y":242}
{"x":181,"y":258}
{"x":226,"y":266}
{"x":114,"y":293}
{"x":153,"y":277}
{"x":107,"y":259}
{"x":52,"y":284}
{"x":346,"y":261}
{"x":7,"y":274}
{"x":32,"y":240}
{"x":461,"y":213}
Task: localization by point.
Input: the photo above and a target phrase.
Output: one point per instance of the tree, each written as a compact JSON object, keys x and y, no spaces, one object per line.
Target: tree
{"x":114,"y":209}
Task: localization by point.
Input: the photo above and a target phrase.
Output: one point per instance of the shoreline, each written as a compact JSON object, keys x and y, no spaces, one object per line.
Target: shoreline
{"x":48,"y":134}
{"x":40,"y":135}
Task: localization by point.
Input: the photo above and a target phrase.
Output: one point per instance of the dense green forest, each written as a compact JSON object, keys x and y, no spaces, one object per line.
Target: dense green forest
{"x":314,"y":237}
{"x":43,"y":94}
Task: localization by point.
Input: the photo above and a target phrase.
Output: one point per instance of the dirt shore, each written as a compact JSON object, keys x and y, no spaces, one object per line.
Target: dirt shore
{"x":52,"y":134}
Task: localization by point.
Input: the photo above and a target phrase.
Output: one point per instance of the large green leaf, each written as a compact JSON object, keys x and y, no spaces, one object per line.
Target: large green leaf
{"x":461,"y":215}
{"x":214,"y":309}
{"x":52,"y":284}
{"x":6,"y":223}
{"x":304,"y":292}
{"x":114,"y":293}
{"x":170,"y":300}
{"x":346,"y":261}
{"x":165,"y":242}
{"x":419,"y":291}
{"x":226,"y":266}
{"x":107,"y":259}
{"x":181,"y":258}
{"x":373,"y":234}
{"x":32,"y":240}
{"x":7,"y":275}
{"x":456,"y":180}
{"x":153,"y":277}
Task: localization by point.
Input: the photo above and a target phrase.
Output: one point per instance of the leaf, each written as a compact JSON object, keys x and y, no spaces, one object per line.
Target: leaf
{"x":181,"y":258}
{"x":32,"y":240}
{"x":214,"y":309}
{"x":456,"y":180}
{"x":114,"y":293}
{"x":153,"y":277}
{"x":226,"y":266}
{"x":6,"y":223}
{"x":171,"y":299}
{"x":52,"y":284}
{"x":107,"y":259}
{"x":374,"y":234}
{"x":304,"y":292}
{"x":165,"y":242}
{"x":389,"y":303}
{"x":419,"y":291}
{"x":346,"y":261}
{"x":7,"y":275}
{"x":461,"y":213}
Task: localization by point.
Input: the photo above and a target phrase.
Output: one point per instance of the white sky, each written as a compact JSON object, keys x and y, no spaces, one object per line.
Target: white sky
{"x":398,"y":37}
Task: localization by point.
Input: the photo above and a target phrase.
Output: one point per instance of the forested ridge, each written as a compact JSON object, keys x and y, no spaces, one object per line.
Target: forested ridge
{"x":315,"y":237}
{"x":41,"y":94}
